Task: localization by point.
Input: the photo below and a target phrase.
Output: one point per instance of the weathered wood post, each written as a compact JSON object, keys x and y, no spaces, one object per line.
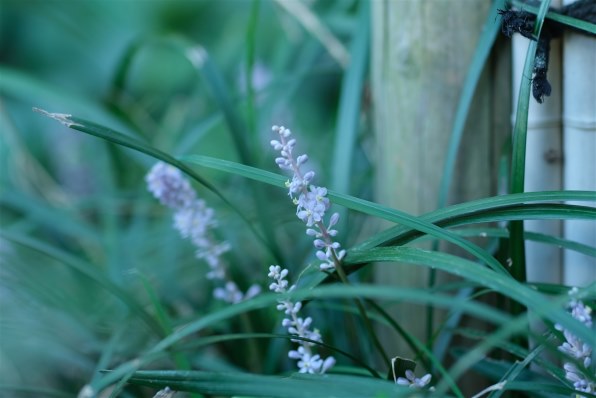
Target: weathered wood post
{"x":421,"y":51}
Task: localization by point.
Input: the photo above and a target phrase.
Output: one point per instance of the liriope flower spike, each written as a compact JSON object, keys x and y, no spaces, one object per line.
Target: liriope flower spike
{"x":311,"y":201}
{"x":308,"y":362}
{"x":195,"y":221}
{"x":577,"y":349}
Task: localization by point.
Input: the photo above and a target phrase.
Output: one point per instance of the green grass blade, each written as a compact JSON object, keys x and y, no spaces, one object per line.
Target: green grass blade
{"x":417,"y":346}
{"x":268,"y":299}
{"x":294,"y":386}
{"x":109,"y":351}
{"x":251,"y":44}
{"x":116,"y":137}
{"x":17,"y":84}
{"x":220,"y":92}
{"x":518,"y":158}
{"x":163,"y":319}
{"x":59,"y":220}
{"x":354,"y":203}
{"x":33,"y":391}
{"x":243,"y":137}
{"x":470,"y":271}
{"x":478,"y":207}
{"x":553,"y":369}
{"x":485,"y":43}
{"x":579,"y":24}
{"x":547,"y":390}
{"x":227,"y":166}
{"x":534,"y":211}
{"x":118,"y":83}
{"x":349,"y":103}
{"x":515,"y":370}
{"x":88,"y":270}
{"x":213,"y":78}
{"x":204,"y":341}
{"x":528,"y":235}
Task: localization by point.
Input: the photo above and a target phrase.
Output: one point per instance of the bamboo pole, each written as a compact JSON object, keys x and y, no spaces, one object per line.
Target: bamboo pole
{"x":421,"y":50}
{"x":579,"y":141}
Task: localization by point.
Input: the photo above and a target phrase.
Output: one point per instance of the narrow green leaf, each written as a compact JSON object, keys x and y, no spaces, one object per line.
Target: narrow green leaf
{"x":483,"y":48}
{"x":518,"y":158}
{"x":515,"y":350}
{"x":66,"y":222}
{"x":513,"y":372}
{"x":354,"y":203}
{"x":203,"y":341}
{"x":532,"y":211}
{"x":116,"y":137}
{"x":108,"y":352}
{"x":251,"y":44}
{"x":33,"y":391}
{"x":470,"y":271}
{"x":30,"y":90}
{"x":268,"y":299}
{"x":86,"y":269}
{"x":417,"y":346}
{"x":582,"y":25}
{"x":294,"y":386}
{"x":533,"y":236}
{"x":108,"y":134}
{"x":549,"y":390}
{"x":478,"y":207}
{"x":349,"y":103}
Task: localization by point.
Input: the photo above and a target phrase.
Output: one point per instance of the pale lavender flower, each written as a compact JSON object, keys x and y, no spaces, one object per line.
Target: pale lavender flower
{"x":576,"y":348}
{"x":312,"y":205}
{"x":195,"y":221}
{"x":230,"y":293}
{"x":308,"y":362}
{"x":311,"y":201}
{"x":165,"y":393}
{"x":412,"y":381}
{"x":169,"y":186}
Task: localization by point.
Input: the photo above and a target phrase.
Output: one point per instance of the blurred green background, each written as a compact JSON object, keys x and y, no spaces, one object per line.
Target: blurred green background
{"x":75,"y":211}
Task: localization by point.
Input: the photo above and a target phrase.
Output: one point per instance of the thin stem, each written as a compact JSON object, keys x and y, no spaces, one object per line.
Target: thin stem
{"x":253,"y":350}
{"x":367,"y":323}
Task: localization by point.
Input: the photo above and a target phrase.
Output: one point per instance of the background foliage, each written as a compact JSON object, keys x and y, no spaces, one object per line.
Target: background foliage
{"x":82,"y":203}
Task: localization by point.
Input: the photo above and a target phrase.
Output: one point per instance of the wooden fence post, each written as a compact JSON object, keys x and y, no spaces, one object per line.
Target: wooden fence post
{"x":421,"y":50}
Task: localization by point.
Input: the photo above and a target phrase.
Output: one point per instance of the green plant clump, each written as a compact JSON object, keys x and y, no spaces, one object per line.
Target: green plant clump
{"x":186,"y":245}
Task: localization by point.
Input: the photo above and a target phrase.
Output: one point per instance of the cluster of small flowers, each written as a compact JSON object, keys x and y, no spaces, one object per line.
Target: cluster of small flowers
{"x":414,"y":382}
{"x":311,"y":201}
{"x":577,"y":349}
{"x":194,"y":221}
{"x":307,"y":361}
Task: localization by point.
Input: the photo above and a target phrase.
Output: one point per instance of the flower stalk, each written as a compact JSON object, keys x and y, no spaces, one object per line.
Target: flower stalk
{"x":311,"y":204}
{"x":195,"y":221}
{"x":308,"y":361}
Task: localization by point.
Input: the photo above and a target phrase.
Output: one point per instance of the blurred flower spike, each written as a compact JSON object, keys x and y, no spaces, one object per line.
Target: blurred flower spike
{"x":195,"y":221}
{"x":311,"y":201}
